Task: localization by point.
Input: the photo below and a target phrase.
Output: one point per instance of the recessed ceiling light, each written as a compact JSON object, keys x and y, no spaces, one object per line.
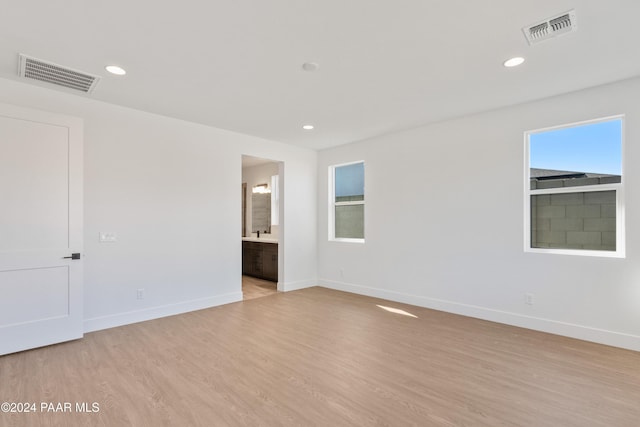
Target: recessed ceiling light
{"x":307,"y":127}
{"x":114,"y":69}
{"x":310,"y":66}
{"x":513,"y":62}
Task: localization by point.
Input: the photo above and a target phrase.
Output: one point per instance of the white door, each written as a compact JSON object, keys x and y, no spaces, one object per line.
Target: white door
{"x":40,"y":225}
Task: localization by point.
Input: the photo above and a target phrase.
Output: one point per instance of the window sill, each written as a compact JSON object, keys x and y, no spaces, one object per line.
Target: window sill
{"x":346,"y":240}
{"x":578,"y":252}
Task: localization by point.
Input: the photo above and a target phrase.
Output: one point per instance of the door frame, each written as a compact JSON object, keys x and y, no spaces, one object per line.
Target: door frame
{"x":281,"y":213}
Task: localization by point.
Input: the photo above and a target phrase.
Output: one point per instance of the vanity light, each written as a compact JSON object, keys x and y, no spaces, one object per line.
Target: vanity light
{"x":261,"y":189}
{"x":307,"y":127}
{"x":513,"y":62}
{"x":114,"y":69}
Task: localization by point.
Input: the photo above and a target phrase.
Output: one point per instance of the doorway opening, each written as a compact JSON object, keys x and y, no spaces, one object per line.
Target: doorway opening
{"x":262,"y":225}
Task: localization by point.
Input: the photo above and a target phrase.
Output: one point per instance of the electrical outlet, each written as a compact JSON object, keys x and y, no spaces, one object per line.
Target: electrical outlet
{"x":528,"y":299}
{"x":342,"y":272}
{"x":140,"y":294}
{"x":108,"y":237}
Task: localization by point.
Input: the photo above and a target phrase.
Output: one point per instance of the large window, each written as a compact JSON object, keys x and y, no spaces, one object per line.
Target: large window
{"x":346,"y":202}
{"x":574,"y":201}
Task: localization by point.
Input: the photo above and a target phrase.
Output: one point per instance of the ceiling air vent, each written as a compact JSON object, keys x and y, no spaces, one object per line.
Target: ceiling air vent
{"x":552,"y":27}
{"x":37,"y":69}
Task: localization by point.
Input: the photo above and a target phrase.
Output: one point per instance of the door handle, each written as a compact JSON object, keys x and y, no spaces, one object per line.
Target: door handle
{"x":73,"y":256}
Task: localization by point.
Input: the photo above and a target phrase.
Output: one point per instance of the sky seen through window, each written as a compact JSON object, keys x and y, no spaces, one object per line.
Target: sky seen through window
{"x":594,"y":148}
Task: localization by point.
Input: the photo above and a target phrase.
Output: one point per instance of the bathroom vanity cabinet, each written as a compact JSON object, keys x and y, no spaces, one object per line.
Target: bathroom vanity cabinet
{"x":260,"y":259}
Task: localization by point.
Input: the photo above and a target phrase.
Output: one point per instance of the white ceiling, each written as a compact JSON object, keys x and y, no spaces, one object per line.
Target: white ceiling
{"x":384,"y":65}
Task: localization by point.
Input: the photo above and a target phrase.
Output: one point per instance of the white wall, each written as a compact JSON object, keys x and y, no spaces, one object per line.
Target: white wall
{"x":253,"y":176}
{"x":169,"y":189}
{"x":425,"y":247}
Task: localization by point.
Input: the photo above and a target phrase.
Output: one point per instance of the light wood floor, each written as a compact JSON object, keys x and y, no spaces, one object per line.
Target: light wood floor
{"x":257,"y":288}
{"x":318,"y":357}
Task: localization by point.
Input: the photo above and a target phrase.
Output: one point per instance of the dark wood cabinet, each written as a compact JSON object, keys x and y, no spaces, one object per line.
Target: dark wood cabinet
{"x":260,"y":259}
{"x":270,"y":261}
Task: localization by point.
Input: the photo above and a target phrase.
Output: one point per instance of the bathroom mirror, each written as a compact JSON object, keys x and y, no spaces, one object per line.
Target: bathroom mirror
{"x":260,"y":212}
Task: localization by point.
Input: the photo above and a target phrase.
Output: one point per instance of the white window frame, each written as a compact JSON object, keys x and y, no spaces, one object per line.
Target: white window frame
{"x":619,"y":188}
{"x":332,"y":204}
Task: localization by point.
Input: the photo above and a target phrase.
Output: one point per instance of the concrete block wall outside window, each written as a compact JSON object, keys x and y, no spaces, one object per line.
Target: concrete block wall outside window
{"x":574,"y":220}
{"x":349,"y":221}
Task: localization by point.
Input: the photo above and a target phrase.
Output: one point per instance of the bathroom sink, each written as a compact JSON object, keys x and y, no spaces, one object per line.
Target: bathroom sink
{"x":266,"y":239}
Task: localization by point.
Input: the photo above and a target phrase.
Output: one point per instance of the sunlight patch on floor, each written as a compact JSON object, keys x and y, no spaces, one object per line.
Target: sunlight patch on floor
{"x":396,"y":311}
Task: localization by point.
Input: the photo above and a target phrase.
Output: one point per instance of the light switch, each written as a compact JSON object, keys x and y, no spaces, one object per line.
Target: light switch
{"x":108,"y":237}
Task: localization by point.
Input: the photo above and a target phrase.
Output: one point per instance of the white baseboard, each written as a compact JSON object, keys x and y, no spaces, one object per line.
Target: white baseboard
{"x":294,"y":286}
{"x":601,"y":336}
{"x":120,"y":319}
